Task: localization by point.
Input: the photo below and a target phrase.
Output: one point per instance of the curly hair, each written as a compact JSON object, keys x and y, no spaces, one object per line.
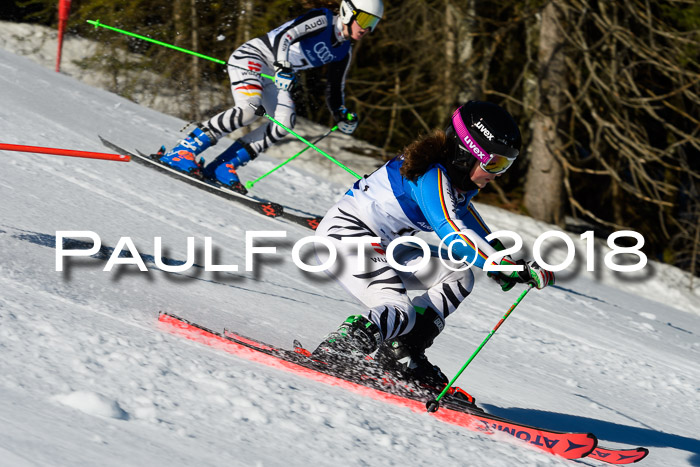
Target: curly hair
{"x":426,"y":150}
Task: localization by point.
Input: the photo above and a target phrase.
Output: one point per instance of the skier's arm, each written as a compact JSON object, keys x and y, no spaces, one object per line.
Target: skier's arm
{"x":471,"y":217}
{"x":434,"y":195}
{"x":309,"y":24}
{"x":532,"y":273}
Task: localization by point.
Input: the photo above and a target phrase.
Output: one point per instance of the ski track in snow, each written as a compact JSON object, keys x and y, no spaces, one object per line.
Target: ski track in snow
{"x":89,"y":379}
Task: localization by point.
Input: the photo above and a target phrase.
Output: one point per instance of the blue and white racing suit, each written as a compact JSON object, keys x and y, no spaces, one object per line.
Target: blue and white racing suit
{"x":309,"y":41}
{"x":386,"y":206}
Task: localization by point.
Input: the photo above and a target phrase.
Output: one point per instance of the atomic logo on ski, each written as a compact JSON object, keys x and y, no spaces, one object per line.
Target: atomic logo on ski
{"x":573,"y":446}
{"x":619,"y":456}
{"x":271,"y":209}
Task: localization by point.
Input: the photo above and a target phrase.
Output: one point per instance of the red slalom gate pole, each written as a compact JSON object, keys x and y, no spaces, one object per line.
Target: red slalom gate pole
{"x":63,"y":10}
{"x":65,"y":152}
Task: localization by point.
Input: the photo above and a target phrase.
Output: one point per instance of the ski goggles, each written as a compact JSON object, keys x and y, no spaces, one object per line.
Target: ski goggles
{"x":366,"y":20}
{"x":495,"y":162}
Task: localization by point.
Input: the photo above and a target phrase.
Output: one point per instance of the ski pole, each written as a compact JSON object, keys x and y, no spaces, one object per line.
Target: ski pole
{"x":249,"y":184}
{"x":433,"y":405}
{"x":261,"y":112}
{"x":65,"y":152}
{"x":174,"y":47}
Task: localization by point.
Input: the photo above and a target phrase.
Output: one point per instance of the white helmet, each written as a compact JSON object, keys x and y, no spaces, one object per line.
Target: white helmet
{"x":367,"y":13}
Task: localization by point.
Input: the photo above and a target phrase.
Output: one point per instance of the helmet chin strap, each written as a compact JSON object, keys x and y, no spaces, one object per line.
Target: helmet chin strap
{"x":464,"y":182}
{"x":460,"y":177}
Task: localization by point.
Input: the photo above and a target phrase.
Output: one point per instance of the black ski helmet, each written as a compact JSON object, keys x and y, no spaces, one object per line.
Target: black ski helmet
{"x":481,"y":132}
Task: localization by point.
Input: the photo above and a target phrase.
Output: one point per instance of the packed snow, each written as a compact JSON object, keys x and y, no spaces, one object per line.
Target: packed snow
{"x":89,"y":378}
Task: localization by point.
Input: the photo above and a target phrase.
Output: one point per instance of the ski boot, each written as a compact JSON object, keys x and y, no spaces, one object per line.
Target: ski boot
{"x":183,"y":156}
{"x":406,"y":354}
{"x":354,"y":340}
{"x":223,"y":168}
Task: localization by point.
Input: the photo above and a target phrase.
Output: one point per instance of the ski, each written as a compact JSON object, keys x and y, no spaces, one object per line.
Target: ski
{"x":454,"y":409}
{"x":618,"y":456}
{"x":266,"y":208}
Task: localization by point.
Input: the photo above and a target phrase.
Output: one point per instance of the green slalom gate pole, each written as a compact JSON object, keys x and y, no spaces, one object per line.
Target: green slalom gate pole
{"x":433,"y":405}
{"x":260,"y":111}
{"x":174,"y":47}
{"x":249,"y":184}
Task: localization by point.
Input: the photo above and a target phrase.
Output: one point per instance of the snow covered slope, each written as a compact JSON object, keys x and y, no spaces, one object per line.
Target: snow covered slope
{"x":88,"y":379}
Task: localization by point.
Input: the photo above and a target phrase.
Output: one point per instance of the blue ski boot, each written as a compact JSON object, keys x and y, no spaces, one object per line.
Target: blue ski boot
{"x":223,"y":168}
{"x":183,"y":156}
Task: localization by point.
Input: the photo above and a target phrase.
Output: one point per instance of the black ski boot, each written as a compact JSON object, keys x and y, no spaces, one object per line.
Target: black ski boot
{"x":406,"y":354}
{"x":356,"y":338}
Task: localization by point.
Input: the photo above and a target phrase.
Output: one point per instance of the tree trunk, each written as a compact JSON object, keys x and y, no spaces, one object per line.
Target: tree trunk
{"x":243,"y":32}
{"x":179,"y":23}
{"x":450,"y":58}
{"x":196,"y":114}
{"x":543,"y":188}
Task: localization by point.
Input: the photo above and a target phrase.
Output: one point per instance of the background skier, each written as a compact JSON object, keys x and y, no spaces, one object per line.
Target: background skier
{"x":314,"y":39}
{"x":427,"y":188}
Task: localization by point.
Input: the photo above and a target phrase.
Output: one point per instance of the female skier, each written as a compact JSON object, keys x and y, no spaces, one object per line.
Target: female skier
{"x":312,"y":40}
{"x":427,"y":188}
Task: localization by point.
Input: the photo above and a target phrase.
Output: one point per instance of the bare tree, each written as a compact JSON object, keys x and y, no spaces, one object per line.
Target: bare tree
{"x":543,"y":188}
{"x":450,"y":64}
{"x":196,"y":72}
{"x":634,"y":105}
{"x":244,"y":31}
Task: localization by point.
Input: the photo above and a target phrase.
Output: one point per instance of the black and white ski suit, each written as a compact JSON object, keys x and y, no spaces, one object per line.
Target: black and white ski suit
{"x":312,"y":40}
{"x":384,"y":207}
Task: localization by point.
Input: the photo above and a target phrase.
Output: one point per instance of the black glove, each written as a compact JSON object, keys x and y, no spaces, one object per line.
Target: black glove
{"x":532,"y":274}
{"x":347,"y":121}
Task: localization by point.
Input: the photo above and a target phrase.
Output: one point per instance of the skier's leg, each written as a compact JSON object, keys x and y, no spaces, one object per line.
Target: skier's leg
{"x":444,"y":288}
{"x":248,"y":89}
{"x":373,"y":282}
{"x":284,"y":111}
{"x":445,"y":285}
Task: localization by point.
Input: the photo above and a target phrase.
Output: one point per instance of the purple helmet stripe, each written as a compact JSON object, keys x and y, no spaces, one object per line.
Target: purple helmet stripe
{"x":466,"y":138}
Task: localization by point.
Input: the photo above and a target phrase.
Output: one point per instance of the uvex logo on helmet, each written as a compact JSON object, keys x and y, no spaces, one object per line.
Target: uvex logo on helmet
{"x":474,"y":148}
{"x":484,"y":130}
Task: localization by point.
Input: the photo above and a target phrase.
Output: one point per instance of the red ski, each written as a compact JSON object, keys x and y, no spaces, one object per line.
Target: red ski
{"x":619,"y":456}
{"x":453,"y":411}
